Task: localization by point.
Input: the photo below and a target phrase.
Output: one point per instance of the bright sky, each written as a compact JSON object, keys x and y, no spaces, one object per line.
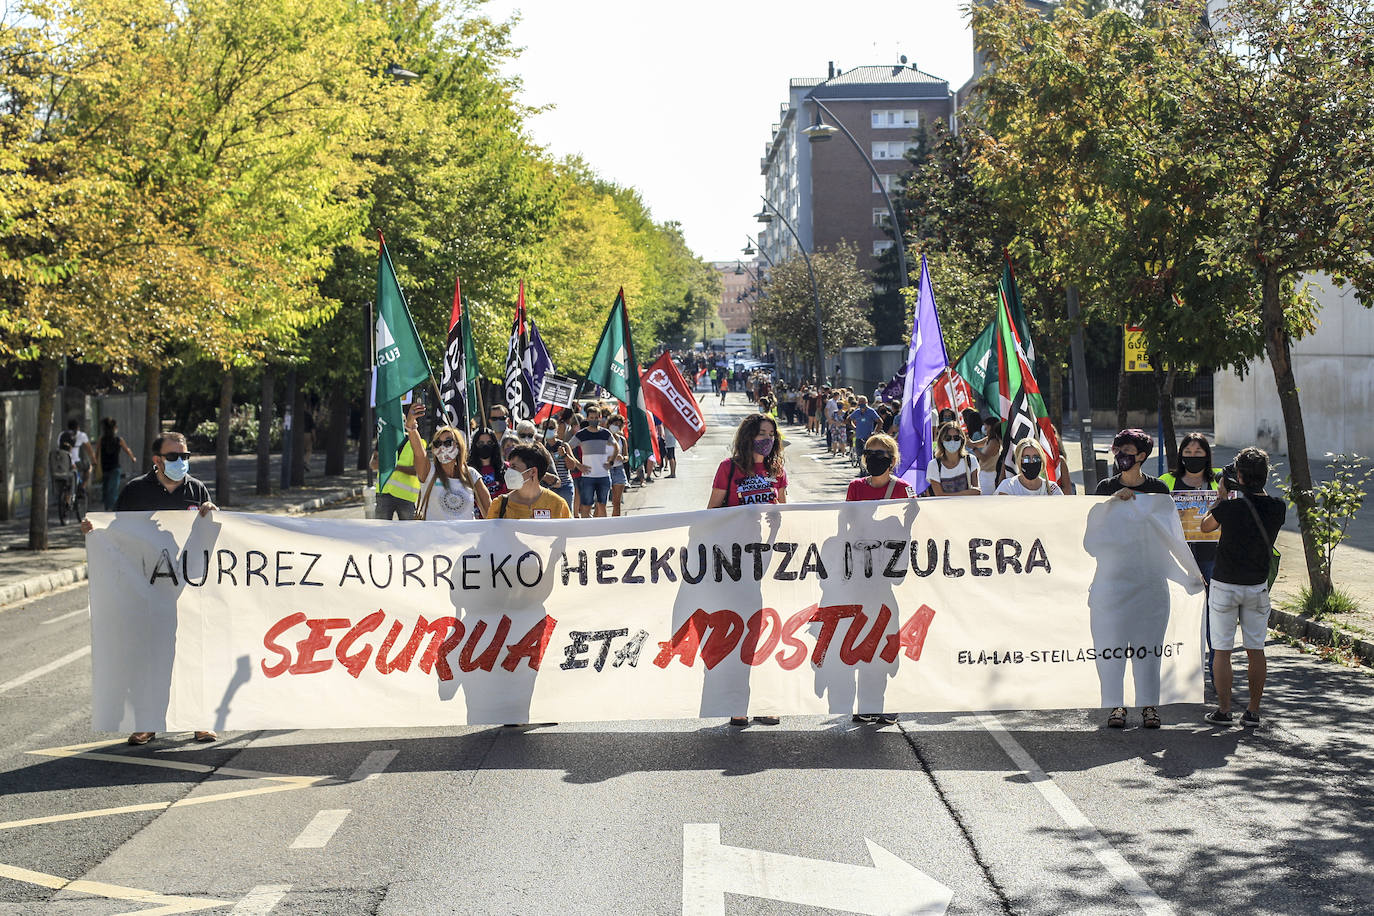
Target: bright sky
{"x":676,"y":99}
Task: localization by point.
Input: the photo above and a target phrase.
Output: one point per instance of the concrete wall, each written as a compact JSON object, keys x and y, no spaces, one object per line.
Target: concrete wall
{"x":19,"y":421}
{"x":1335,"y":373}
{"x":864,"y":368}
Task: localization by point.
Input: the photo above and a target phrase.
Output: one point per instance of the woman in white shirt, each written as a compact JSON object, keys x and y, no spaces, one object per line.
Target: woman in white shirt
{"x":1030,"y":478}
{"x":952,"y":472}
{"x":451,"y":491}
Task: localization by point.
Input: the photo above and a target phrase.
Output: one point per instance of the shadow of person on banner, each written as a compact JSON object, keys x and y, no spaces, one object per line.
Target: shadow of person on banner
{"x":708,"y":632}
{"x":1129,"y":598}
{"x":498,"y":638}
{"x":859,"y":606}
{"x":136,"y":648}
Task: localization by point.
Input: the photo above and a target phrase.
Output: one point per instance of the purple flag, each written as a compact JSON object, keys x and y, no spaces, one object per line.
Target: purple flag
{"x":926,"y":360}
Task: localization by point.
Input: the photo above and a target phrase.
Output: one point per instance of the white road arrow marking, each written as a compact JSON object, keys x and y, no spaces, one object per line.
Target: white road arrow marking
{"x":891,"y":887}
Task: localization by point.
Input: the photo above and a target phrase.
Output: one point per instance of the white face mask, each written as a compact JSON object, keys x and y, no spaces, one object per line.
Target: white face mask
{"x":447,"y":453}
{"x":953,"y":445}
{"x":550,"y":434}
{"x":514,"y":479}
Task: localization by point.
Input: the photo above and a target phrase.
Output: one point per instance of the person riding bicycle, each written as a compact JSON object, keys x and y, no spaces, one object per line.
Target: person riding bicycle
{"x":75,"y":441}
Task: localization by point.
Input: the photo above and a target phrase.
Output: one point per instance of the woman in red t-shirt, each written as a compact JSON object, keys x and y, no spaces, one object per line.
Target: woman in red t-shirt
{"x":880,"y":457}
{"x":752,"y":475}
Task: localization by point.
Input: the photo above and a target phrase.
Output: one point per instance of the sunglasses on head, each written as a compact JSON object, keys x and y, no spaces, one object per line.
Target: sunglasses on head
{"x":176,"y":456}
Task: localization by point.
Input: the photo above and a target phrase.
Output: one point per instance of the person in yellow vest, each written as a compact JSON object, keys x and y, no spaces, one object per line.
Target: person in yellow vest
{"x":396,"y":498}
{"x":1194,"y":471}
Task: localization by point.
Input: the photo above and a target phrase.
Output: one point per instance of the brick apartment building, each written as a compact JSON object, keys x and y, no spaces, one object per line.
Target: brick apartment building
{"x":736,"y":297}
{"x":826,"y":189}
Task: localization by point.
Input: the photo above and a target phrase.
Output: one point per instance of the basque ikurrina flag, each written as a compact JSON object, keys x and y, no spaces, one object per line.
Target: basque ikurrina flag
{"x":399,"y":363}
{"x":615,"y":368}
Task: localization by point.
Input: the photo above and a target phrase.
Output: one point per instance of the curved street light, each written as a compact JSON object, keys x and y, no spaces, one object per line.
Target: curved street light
{"x":815,"y":293}
{"x":819,"y":133}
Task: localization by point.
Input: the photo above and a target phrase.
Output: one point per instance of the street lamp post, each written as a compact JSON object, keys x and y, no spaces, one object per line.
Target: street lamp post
{"x":820,"y":132}
{"x":764,"y":216}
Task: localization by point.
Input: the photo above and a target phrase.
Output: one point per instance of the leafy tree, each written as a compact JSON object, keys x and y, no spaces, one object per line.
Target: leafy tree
{"x":1279,"y":108}
{"x":787,"y":311}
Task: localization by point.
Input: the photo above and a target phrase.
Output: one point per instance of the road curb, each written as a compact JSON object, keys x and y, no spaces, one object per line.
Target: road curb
{"x":38,"y":585}
{"x":1321,"y":634}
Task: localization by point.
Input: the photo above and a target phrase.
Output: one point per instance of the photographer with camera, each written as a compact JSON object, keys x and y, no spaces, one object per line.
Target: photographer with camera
{"x":1249,"y":521}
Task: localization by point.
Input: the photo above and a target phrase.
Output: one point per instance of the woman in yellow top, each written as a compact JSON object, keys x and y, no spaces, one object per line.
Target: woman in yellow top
{"x":526,"y":497}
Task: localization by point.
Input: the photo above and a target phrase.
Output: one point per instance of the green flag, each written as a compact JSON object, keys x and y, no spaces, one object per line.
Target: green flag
{"x":614,"y":368}
{"x":399,"y":362}
{"x":978,"y":366}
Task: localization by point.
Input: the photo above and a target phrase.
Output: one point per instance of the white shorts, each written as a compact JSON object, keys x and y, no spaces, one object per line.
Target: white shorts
{"x":1247,"y":605}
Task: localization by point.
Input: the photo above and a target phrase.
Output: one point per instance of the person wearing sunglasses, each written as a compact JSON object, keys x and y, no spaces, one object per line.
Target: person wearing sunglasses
{"x":168,"y":485}
{"x":452,"y":491}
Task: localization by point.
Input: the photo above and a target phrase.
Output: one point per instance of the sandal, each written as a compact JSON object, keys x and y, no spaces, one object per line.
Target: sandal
{"x":1150,"y":717}
{"x":739,"y":720}
{"x":1118,"y":718}
{"x":206,"y":737}
{"x":140,"y":738}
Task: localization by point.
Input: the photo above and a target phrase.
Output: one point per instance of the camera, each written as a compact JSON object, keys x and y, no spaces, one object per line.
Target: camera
{"x":1230,"y":476}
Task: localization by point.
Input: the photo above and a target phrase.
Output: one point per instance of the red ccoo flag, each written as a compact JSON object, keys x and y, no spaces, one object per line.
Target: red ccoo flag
{"x":667,"y":394}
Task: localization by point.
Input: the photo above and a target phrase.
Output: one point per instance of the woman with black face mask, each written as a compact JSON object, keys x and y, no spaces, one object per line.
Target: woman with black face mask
{"x":1194,"y":471}
{"x":1130,"y":448}
{"x":879,"y":457}
{"x":1031,"y":480}
{"x":486,"y":458}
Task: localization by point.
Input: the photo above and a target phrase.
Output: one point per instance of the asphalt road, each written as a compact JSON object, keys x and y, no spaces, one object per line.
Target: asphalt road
{"x":1014,"y":813}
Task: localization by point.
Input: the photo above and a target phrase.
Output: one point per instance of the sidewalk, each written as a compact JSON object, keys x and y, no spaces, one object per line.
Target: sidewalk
{"x":1353,"y":566}
{"x":25,"y":573}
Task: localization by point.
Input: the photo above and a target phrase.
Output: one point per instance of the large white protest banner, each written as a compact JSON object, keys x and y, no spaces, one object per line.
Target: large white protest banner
{"x":247,"y":621}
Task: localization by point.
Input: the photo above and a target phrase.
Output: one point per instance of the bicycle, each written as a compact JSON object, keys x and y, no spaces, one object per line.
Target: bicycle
{"x":70,"y":487}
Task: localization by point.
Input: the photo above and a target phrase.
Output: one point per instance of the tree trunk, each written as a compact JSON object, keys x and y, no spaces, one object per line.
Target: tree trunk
{"x":152,"y":413}
{"x":223,"y":486}
{"x":336,"y":433}
{"x":1055,"y":394}
{"x":1278,"y":346}
{"x":298,"y":438}
{"x":269,"y":385}
{"x":1122,"y":412}
{"x":1164,"y":403}
{"x":42,"y":445}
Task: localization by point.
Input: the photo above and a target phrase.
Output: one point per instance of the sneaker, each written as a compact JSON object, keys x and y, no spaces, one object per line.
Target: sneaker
{"x":863,"y":717}
{"x":886,"y":718}
{"x":767,"y":720}
{"x":739,"y":721}
{"x":1249,"y":719}
{"x":1217,"y":717}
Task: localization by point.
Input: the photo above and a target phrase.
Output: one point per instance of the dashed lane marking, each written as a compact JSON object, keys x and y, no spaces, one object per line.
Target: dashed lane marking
{"x":321,"y":828}
{"x":260,"y":900}
{"x":81,"y":611}
{"x":373,"y":765}
{"x":1111,"y":860}
{"x":50,"y":667}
